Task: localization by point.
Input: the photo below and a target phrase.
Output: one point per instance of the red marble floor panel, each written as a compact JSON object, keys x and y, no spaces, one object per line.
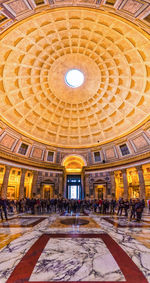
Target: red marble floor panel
{"x":10,"y":224}
{"x":24,"y":269}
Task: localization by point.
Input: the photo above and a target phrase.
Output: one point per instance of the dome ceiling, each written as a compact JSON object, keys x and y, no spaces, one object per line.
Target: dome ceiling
{"x":37,"y":53}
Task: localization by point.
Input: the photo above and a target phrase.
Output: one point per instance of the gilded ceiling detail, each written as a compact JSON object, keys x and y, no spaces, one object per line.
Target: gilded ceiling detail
{"x":114,"y":57}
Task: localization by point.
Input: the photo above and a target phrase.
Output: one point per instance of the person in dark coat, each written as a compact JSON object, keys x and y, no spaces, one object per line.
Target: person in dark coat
{"x":32,"y":205}
{"x":3,"y":208}
{"x":139,"y":210}
{"x":120,"y":206}
{"x":126,"y":207}
{"x":105,"y":205}
{"x":133,"y":212}
{"x":112,"y":206}
{"x":1,"y":213}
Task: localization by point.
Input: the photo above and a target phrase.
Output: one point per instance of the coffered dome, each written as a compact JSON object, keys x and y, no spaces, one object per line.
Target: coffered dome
{"x":113,"y":56}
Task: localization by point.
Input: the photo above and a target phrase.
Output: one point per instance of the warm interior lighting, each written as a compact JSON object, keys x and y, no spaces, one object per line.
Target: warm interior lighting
{"x":73,"y":163}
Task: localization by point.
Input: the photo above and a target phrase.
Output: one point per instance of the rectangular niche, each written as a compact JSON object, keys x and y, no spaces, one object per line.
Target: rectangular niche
{"x":23,"y":149}
{"x":50,"y":156}
{"x":124,"y":149}
{"x":97,"y":156}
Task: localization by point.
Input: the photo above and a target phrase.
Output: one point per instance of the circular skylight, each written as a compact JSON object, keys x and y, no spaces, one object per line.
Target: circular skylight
{"x":74,"y":78}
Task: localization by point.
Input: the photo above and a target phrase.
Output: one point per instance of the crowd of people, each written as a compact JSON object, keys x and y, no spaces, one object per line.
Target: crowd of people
{"x":132,"y":208}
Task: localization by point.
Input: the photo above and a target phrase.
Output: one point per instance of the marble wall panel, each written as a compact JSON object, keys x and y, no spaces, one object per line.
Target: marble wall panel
{"x":140,"y":142}
{"x":7,"y":141}
{"x":37,"y":152}
{"x":17,"y":7}
{"x":132,"y":6}
{"x":110,"y":153}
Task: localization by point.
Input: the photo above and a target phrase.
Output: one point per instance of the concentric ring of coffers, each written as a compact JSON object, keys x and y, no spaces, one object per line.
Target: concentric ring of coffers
{"x":113,"y":55}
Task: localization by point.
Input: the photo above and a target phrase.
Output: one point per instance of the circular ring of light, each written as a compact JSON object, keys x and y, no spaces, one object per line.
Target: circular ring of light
{"x":74,"y":78}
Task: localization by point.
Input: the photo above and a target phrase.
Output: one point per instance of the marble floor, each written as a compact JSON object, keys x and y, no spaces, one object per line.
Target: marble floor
{"x":47,"y":248}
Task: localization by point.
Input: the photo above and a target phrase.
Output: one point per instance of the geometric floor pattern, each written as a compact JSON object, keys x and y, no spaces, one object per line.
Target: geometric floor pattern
{"x":123,"y":222}
{"x":63,"y":222}
{"x":44,"y":250}
{"x":17,"y":222}
{"x":123,"y":262}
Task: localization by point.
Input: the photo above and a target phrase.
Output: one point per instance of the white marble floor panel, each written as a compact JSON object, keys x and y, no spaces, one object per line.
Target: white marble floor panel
{"x":76,"y":260}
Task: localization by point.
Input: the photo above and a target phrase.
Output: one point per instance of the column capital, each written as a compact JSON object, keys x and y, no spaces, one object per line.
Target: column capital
{"x":112,"y":173}
{"x":8,"y":167}
{"x":139,"y":168}
{"x":23,"y":170}
{"x":124,"y":170}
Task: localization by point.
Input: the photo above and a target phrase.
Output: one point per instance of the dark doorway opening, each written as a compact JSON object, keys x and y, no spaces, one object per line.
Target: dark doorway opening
{"x":74,"y":187}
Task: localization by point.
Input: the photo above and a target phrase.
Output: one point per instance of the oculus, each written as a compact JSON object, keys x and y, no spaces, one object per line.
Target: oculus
{"x":74,"y":78}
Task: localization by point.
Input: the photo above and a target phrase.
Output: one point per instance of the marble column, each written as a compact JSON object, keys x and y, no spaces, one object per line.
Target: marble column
{"x":56,"y":186}
{"x":91,"y":186}
{"x":82,"y":186}
{"x":105,"y":192}
{"x":141,"y":182}
{"x":61,"y":185}
{"x":5,"y":181}
{"x":34,"y":183}
{"x":125,"y":183}
{"x":65,"y":194}
{"x":87,"y":188}
{"x":113,"y":184}
{"x":21,"y":187}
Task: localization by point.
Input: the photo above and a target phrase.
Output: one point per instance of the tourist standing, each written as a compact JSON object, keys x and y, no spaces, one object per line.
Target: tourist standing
{"x":138,"y":209}
{"x":120,"y":206}
{"x":133,"y":212}
{"x":3,"y":208}
{"x":112,"y":206}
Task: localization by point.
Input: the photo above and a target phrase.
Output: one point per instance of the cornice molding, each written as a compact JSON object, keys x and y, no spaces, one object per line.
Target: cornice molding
{"x":127,"y":161}
{"x":43,"y":165}
{"x":26,"y":161}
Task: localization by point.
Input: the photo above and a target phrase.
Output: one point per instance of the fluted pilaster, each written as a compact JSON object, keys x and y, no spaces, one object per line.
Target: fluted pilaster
{"x":21,"y":187}
{"x":141,"y":182}
{"x":5,"y":181}
{"x":125,"y":183}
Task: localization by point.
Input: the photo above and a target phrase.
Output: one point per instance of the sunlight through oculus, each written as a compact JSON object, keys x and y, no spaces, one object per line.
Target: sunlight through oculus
{"x":74,"y":78}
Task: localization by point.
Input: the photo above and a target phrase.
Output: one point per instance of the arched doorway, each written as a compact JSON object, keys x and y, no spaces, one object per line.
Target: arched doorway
{"x":47,"y":189}
{"x":73,"y":176}
{"x":100,"y":189}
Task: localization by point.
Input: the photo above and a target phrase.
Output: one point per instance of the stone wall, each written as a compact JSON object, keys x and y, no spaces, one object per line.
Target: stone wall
{"x":137,"y":142}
